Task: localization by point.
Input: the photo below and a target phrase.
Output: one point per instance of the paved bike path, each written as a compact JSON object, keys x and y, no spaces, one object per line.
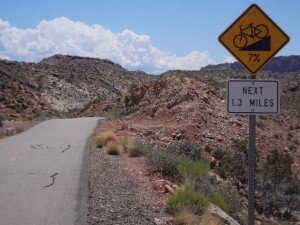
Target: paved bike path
{"x":40,"y":172}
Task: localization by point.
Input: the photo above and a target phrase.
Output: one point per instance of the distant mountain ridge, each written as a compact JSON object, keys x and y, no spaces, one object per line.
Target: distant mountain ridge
{"x":63,"y":83}
{"x":280,"y":64}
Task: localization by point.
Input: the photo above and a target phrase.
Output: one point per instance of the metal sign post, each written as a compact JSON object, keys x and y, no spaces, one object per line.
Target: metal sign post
{"x":252,"y":166}
{"x":253,"y":39}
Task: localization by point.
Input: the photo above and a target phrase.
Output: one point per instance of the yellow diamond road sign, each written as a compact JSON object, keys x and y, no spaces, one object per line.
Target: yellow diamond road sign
{"x":253,"y":38}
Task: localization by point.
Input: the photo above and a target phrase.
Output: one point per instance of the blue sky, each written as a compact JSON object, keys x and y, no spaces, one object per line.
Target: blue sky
{"x":151,"y":35}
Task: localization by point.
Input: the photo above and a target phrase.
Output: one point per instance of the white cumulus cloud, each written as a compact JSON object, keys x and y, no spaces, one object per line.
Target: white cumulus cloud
{"x":64,"y":36}
{"x":229,"y":59}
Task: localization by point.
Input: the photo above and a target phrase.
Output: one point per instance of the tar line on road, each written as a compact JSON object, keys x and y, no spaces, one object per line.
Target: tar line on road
{"x":43,"y":173}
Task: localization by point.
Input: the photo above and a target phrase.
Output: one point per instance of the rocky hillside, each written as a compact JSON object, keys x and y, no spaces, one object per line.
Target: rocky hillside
{"x":181,"y":105}
{"x":62,"y":83}
{"x":184,"y":106}
{"x":280,"y":64}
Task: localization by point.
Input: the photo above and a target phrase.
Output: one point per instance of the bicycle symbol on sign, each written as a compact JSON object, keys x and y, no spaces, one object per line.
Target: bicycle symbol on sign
{"x":241,"y":40}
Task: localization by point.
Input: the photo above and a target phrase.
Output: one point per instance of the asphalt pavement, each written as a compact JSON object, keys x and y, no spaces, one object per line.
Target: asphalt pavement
{"x":42,"y":178}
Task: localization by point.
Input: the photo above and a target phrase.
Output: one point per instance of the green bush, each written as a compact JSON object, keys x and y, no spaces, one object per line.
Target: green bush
{"x":220,"y":201}
{"x":277,"y":167}
{"x":234,"y":164}
{"x":242,"y":146}
{"x":164,"y":162}
{"x":231,"y":197}
{"x":188,"y":199}
{"x":186,"y":148}
{"x":279,"y":188}
{"x":193,"y":169}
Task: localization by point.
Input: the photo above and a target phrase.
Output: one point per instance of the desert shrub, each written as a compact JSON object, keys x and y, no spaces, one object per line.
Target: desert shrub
{"x":242,"y":146}
{"x":192,"y":170}
{"x":118,"y":113}
{"x":235,"y":162}
{"x":277,"y":167}
{"x":188,"y":199}
{"x":185,"y":217}
{"x":291,"y":197}
{"x":220,"y":201}
{"x":231,"y":197}
{"x":113,"y":150}
{"x":218,"y":152}
{"x":226,"y":167}
{"x":186,"y":148}
{"x":135,"y":149}
{"x":164,"y":162}
{"x":103,"y":138}
{"x":277,"y":173}
{"x":205,"y":187}
{"x":223,"y":195}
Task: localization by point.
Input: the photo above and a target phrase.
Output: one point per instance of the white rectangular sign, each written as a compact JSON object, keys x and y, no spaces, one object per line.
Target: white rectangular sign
{"x":253,"y":97}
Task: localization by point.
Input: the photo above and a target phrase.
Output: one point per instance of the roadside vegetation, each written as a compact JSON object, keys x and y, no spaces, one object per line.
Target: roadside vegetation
{"x":115,"y":146}
{"x":184,"y":163}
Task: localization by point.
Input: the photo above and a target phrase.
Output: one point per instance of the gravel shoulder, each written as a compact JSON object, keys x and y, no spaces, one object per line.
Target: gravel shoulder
{"x":121,"y":192}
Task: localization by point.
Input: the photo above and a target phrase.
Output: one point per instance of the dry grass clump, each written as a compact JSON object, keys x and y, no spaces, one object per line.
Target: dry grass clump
{"x":132,"y":147}
{"x":103,"y":138}
{"x":113,"y":149}
{"x":186,"y":217}
{"x":208,"y":219}
{"x":187,"y":198}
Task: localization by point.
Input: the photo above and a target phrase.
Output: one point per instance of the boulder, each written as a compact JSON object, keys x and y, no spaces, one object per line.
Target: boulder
{"x":219,"y":213}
